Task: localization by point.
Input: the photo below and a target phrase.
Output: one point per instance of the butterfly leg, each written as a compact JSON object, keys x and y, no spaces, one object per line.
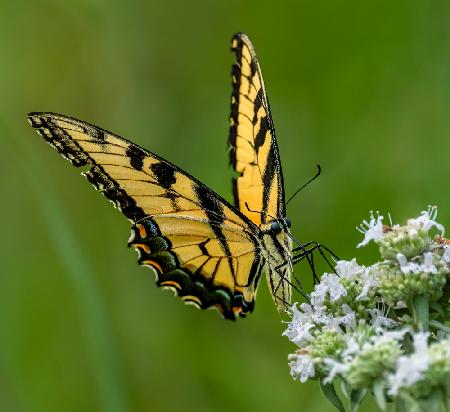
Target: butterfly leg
{"x":307,"y":250}
{"x":307,"y":254}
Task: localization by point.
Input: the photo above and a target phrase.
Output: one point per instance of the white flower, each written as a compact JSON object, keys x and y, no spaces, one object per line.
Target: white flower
{"x":306,"y":308}
{"x":390,"y":335}
{"x":368,"y":281}
{"x":300,"y":315}
{"x":411,"y":267}
{"x":372,"y":230}
{"x":405,"y":266}
{"x":336,"y":368}
{"x":420,"y":341}
{"x":380,"y":319}
{"x":349,"y":318}
{"x":428,"y":266}
{"x":304,"y":319}
{"x":348,"y":269}
{"x":302,"y":366}
{"x":446,"y":255}
{"x":346,"y":320}
{"x":352,"y":347}
{"x":319,"y":294}
{"x":329,"y":283}
{"x":425,"y":221}
{"x":317,"y":314}
{"x":298,"y":333}
{"x":298,"y":328}
{"x":410,"y":368}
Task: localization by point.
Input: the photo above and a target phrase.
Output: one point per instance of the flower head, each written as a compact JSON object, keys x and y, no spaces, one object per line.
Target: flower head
{"x":372,"y":230}
{"x":349,"y":269}
{"x":378,"y":328}
{"x":302,"y":366}
{"x":330,"y":286}
{"x":426,"y":221}
{"x":410,"y":368}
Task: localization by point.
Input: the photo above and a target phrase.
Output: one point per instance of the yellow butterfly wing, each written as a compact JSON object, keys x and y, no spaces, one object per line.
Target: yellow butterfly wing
{"x":198,"y":244}
{"x":258,"y":190}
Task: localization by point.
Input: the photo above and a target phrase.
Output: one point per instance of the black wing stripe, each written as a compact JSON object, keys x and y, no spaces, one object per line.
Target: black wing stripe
{"x":71,"y":150}
{"x":210,"y":204}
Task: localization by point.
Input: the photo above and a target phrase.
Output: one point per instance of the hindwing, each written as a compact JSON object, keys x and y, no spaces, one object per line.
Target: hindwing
{"x":196,"y":242}
{"x":258,"y":190}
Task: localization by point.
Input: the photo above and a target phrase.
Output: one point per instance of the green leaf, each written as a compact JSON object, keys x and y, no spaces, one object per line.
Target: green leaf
{"x":356,"y":397}
{"x":330,"y":393}
{"x":440,"y":326}
{"x":378,"y":393}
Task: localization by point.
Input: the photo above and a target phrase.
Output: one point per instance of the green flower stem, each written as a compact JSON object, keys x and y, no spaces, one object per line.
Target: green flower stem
{"x":420,"y":307}
{"x":435,"y":403}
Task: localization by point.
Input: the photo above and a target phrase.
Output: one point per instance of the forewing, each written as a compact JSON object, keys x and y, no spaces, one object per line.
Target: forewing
{"x":197,"y":243}
{"x":258,"y":190}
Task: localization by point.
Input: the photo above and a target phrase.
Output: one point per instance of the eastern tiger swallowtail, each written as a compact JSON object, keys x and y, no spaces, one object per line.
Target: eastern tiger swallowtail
{"x":210,"y":252}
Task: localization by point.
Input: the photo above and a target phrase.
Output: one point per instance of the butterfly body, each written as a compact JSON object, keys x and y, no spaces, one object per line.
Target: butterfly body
{"x":211,"y":253}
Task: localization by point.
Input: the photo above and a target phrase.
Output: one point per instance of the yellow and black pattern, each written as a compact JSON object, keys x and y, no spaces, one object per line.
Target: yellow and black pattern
{"x":209,"y":252}
{"x":198,"y":244}
{"x":258,"y":190}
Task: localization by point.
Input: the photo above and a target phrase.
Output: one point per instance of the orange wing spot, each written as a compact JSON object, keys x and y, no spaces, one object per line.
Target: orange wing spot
{"x":193,"y":299}
{"x":237,"y":310}
{"x":171,"y":284}
{"x":153,"y":263}
{"x":142,"y":231}
{"x":141,"y":246}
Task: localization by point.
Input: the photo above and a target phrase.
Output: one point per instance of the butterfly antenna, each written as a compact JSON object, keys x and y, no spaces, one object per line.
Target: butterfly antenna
{"x":257,"y":211}
{"x":319,"y":170}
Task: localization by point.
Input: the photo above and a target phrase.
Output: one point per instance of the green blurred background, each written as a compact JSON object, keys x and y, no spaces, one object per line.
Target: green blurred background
{"x":361,"y":88}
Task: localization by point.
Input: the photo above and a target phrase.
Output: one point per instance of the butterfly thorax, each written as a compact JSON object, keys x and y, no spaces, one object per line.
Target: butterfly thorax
{"x":277,"y":252}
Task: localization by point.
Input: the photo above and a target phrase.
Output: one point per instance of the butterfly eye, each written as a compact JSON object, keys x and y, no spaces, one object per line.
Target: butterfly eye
{"x":288,"y":222}
{"x":275,"y":227}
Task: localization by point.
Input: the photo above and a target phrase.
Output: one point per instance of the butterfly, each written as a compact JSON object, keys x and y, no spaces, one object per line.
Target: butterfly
{"x":211,"y":253}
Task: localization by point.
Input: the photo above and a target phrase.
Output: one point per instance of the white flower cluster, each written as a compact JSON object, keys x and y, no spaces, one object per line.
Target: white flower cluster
{"x":381,"y":328}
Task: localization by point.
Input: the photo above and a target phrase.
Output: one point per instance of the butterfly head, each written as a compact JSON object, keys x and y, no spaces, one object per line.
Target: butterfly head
{"x":277,"y":226}
{"x":278,"y":230}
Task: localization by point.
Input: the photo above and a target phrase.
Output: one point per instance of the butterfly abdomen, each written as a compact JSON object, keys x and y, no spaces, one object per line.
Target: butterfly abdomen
{"x":278,"y":249}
